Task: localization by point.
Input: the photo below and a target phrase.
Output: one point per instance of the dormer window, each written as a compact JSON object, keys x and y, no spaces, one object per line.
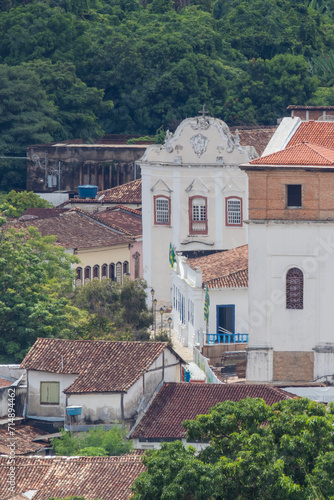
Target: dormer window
{"x":294,"y":195}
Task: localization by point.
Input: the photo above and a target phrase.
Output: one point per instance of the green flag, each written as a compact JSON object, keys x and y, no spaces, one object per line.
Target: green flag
{"x":206,"y":304}
{"x":172,"y":257}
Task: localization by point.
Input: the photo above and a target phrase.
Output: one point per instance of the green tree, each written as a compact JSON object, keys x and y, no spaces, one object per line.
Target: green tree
{"x":15,"y":203}
{"x":118,"y":312}
{"x":283,"y":452}
{"x":35,"y":276}
{"x":97,"y":442}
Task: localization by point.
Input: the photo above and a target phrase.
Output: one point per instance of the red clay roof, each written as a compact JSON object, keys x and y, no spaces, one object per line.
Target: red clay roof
{"x":293,"y":106}
{"x":299,"y":154}
{"x":321,"y":133}
{"x":129,"y":192}
{"x":122,"y":219}
{"x":176,"y":402}
{"x":102,"y":366}
{"x":5,"y":383}
{"x":76,"y":229}
{"x":224,"y":269}
{"x":42,"y":213}
{"x":106,"y":478}
{"x":24,"y":435}
{"x":257,"y":137}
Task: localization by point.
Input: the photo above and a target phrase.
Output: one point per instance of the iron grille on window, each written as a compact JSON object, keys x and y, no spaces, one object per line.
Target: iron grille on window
{"x":234,"y":212}
{"x":162,"y":210}
{"x":294,"y":289}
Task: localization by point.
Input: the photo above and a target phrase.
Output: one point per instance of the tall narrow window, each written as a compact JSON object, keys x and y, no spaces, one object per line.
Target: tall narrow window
{"x":161,"y":210}
{"x":104,"y":271}
{"x":198,"y":223}
{"x":294,"y":195}
{"x":294,"y":288}
{"x":126,"y":268}
{"x":78,"y":280}
{"x":87,"y":274}
{"x":233,"y":211}
{"x":119,"y":272}
{"x":112,"y":272}
{"x":96,"y":272}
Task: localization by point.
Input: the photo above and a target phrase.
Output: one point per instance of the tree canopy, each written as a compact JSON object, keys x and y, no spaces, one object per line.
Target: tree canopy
{"x":35,"y":275}
{"x":14,"y":204}
{"x":283,"y":452}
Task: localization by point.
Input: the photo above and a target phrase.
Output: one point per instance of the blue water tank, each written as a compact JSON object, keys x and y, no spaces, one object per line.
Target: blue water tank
{"x":87,"y":191}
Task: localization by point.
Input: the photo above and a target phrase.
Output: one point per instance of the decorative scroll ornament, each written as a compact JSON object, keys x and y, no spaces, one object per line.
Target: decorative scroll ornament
{"x":168,"y":137}
{"x":200,"y":124}
{"x":199,"y":143}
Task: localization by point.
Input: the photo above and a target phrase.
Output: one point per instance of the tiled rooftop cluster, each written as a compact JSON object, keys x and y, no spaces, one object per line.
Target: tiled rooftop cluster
{"x":256,"y":137}
{"x":102,"y":366}
{"x":24,"y":436}
{"x":121,"y":218}
{"x":125,"y":193}
{"x":224,"y":269}
{"x":106,"y":478}
{"x":75,"y":229}
{"x":177,"y":402}
{"x":299,"y":155}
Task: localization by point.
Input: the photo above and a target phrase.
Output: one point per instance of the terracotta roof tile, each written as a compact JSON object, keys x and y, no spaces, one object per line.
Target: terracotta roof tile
{"x":299,"y":154}
{"x":223,"y":269}
{"x":321,"y":133}
{"x":75,"y":229}
{"x":24,"y":444}
{"x":122,"y":219}
{"x":129,"y":192}
{"x":42,"y":213}
{"x":5,"y":383}
{"x":102,"y":366}
{"x":107,"y":478}
{"x":176,"y":402}
{"x":256,"y":137}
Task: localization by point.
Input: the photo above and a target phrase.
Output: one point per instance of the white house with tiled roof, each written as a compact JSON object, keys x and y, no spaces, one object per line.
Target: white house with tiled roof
{"x":194,"y":196}
{"x":291,"y":264}
{"x":226,"y":276}
{"x":111,"y":381}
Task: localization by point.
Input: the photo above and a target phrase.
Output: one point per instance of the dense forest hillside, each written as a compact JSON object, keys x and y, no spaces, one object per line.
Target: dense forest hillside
{"x":79,"y":68}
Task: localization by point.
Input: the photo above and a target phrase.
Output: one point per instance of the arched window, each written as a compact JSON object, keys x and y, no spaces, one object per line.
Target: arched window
{"x":294,"y":288}
{"x":198,"y":222}
{"x":125,"y":267}
{"x":112,"y":272}
{"x":78,"y":279}
{"x":136,"y":256}
{"x":104,"y":271}
{"x":87,"y":274}
{"x":119,"y":274}
{"x":233,"y":211}
{"x":161,"y":210}
{"x":96,"y":272}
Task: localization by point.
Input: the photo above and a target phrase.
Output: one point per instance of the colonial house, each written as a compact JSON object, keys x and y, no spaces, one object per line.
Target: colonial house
{"x":39,"y":478}
{"x":291,"y":238}
{"x":194,"y":196}
{"x":103,"y":251}
{"x":225,"y":275}
{"x":176,"y":403}
{"x":110,"y":381}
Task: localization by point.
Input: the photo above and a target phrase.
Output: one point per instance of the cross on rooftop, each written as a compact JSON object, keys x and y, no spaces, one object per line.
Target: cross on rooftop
{"x":203,"y":112}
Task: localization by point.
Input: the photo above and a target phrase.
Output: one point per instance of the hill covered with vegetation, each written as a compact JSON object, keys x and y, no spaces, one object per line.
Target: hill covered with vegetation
{"x":79,"y":68}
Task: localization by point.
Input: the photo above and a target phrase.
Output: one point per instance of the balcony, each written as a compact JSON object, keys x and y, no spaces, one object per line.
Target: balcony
{"x":226,"y":337}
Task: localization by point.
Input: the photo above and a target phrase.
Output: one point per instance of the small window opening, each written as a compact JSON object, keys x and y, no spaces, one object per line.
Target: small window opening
{"x":294,"y":195}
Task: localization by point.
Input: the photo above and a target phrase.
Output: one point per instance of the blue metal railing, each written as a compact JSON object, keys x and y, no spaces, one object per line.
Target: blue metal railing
{"x":226,"y":338}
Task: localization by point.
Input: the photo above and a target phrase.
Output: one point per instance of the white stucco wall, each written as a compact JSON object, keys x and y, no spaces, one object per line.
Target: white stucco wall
{"x":273,"y":249}
{"x":35,"y":408}
{"x":214,"y":174}
{"x":189,"y":283}
{"x":156,"y":445}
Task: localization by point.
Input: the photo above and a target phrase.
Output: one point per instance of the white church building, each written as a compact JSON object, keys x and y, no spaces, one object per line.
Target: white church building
{"x":194,"y":195}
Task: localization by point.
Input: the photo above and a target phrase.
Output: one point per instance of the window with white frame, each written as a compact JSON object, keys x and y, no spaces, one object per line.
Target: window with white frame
{"x":161,"y":210}
{"x":198,"y":223}
{"x":233,"y":211}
